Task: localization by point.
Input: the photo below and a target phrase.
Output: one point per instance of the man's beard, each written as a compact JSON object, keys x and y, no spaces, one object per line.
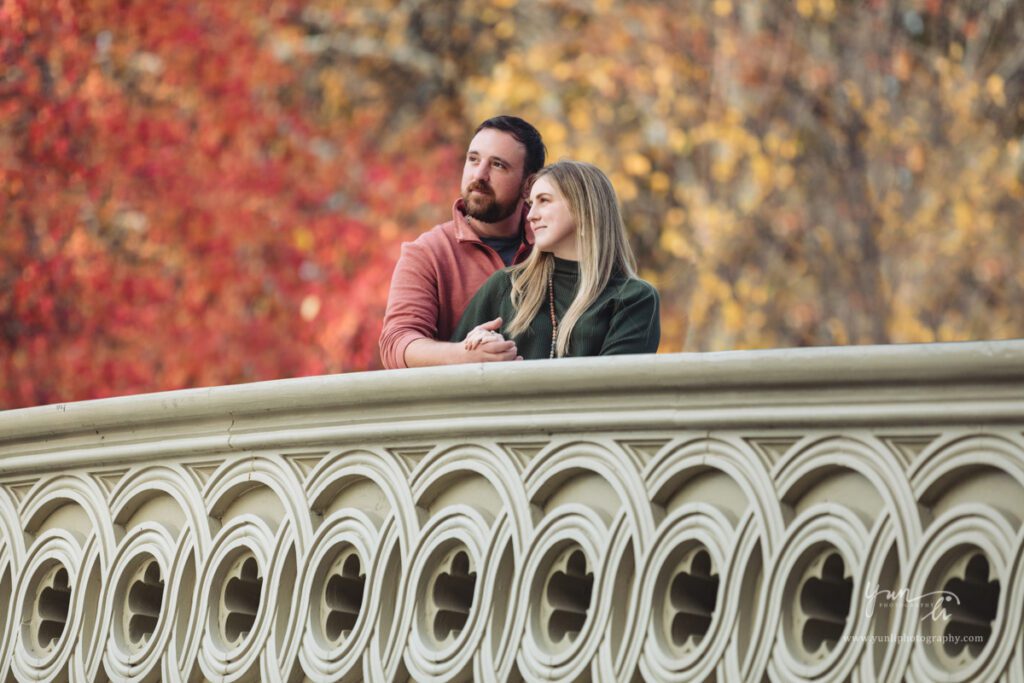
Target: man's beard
{"x":483,"y":206}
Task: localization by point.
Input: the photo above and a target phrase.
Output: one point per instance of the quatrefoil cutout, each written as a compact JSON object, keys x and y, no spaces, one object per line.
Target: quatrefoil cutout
{"x":568,"y":593}
{"x":971,"y":614}
{"x":52,"y":605}
{"x":452,"y":595}
{"x":343,"y":595}
{"x":692,"y":598}
{"x":145,"y":596}
{"x":824,"y":600}
{"x":241,"y":599}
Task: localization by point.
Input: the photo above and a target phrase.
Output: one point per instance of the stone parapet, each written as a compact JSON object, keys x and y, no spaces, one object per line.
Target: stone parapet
{"x":826,"y":514}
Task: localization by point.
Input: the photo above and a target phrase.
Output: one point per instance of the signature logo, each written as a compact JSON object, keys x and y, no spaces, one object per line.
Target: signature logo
{"x":934,"y":601}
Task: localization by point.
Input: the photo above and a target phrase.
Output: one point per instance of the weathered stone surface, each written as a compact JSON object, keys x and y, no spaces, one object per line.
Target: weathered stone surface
{"x":829,"y":514}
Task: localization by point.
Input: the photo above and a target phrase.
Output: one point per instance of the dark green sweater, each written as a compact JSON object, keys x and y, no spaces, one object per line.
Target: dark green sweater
{"x":624,"y":319}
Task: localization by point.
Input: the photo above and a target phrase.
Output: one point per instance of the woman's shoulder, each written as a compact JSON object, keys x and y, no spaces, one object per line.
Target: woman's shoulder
{"x":630,"y":289}
{"x":486,"y":304}
{"x":499,"y":280}
{"x":495,"y":288}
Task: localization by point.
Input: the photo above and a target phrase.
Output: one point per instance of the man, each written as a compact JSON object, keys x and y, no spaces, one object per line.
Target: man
{"x":438,"y":273}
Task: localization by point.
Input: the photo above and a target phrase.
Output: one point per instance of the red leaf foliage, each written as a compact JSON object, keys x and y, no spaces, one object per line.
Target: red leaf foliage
{"x":172,"y":214}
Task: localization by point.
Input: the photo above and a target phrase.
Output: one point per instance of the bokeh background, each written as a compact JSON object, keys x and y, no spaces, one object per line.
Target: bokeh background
{"x":208,"y":192}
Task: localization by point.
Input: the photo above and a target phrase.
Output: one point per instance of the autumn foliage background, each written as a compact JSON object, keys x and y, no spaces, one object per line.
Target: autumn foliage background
{"x":214,"y":191}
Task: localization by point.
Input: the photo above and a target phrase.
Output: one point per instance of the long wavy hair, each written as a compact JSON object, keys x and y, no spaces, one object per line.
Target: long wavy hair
{"x":601,"y":243}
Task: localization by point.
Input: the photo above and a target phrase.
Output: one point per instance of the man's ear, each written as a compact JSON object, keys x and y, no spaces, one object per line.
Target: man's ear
{"x":527,"y":185}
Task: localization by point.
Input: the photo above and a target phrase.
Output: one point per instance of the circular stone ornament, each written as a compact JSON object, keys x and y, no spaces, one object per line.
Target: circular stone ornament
{"x":815,"y":592}
{"x":450,"y":611}
{"x":338,"y":601}
{"x":49,"y":621}
{"x":563,"y":579}
{"x":139,"y":604}
{"x":236,"y":602}
{"x":682,"y":596}
{"x":963,"y":566}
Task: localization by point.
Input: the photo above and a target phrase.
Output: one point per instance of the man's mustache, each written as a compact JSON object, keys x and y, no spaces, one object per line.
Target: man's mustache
{"x":479,"y":186}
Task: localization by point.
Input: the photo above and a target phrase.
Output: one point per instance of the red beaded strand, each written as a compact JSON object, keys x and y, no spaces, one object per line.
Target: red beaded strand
{"x":554,"y":321}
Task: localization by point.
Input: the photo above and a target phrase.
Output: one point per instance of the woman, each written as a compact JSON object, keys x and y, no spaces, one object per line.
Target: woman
{"x":577,"y":294}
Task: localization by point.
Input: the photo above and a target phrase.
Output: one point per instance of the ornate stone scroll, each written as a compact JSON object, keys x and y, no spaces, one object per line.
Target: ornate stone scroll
{"x":840,"y":514}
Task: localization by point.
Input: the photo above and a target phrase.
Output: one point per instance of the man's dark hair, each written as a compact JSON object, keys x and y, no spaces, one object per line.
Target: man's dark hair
{"x":522,"y":131}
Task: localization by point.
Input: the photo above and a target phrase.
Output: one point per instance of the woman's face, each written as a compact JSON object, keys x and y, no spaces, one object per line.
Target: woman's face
{"x":554,"y":228}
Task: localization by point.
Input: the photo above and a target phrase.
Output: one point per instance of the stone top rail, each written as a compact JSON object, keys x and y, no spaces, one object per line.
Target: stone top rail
{"x":980,"y":382}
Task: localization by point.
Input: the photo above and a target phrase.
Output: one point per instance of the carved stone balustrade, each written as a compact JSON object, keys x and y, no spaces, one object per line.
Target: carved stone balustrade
{"x":827,"y":514}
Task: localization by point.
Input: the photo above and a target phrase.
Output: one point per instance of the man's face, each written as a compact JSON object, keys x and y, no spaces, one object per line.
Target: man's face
{"x":492,"y":179}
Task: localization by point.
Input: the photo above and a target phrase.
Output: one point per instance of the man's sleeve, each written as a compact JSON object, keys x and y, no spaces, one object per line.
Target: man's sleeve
{"x":412,"y":306}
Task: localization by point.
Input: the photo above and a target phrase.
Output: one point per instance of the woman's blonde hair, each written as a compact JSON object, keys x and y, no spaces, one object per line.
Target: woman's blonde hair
{"x":601,"y":243}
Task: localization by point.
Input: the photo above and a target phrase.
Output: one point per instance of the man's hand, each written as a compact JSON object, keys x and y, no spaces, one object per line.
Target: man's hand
{"x":484,"y":344}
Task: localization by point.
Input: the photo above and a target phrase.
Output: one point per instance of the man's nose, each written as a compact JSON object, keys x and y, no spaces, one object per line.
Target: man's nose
{"x":482,"y":171}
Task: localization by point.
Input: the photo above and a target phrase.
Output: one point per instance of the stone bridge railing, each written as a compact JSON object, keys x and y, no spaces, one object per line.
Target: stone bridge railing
{"x":823,"y":514}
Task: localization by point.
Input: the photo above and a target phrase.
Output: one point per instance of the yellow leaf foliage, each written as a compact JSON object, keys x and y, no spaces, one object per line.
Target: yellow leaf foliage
{"x":789,"y":174}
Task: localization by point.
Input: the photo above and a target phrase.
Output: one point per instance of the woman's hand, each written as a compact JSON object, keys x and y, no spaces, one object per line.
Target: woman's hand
{"x":487,"y":332}
{"x":484,"y":344}
{"x":477,"y":336}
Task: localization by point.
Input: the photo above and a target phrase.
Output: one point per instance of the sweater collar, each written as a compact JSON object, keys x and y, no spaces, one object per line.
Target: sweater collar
{"x":566,"y":267}
{"x":464,"y":232}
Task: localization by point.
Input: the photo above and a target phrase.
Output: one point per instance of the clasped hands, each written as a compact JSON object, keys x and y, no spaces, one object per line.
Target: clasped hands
{"x":485,"y":343}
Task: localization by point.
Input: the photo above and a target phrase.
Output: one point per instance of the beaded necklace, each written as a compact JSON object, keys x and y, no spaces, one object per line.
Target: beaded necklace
{"x":551,"y":306}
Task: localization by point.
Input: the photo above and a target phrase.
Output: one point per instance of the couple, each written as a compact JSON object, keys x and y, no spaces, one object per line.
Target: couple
{"x":534,"y":264}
